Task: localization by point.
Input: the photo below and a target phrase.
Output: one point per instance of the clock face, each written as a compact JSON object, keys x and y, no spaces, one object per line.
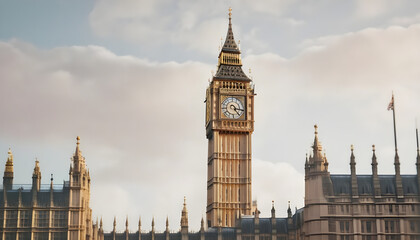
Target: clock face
{"x":233,"y":108}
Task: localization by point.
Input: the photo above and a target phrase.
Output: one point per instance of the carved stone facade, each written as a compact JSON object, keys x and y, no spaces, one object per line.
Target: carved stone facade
{"x":359,"y":207}
{"x":47,"y":212}
{"x":229,"y":127}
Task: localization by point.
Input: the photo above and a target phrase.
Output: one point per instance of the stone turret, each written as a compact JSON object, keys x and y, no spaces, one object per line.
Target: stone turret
{"x":79,"y":183}
{"x":36,"y":182}
{"x":317,"y":162}
{"x":273,"y":222}
{"x":8,"y":172}
{"x":317,"y":178}
{"x":36,"y":177}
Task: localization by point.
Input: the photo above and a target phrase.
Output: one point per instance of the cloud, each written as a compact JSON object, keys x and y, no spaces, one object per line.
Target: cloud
{"x":189,"y":24}
{"x":134,"y":117}
{"x":405,"y":21}
{"x":375,"y":8}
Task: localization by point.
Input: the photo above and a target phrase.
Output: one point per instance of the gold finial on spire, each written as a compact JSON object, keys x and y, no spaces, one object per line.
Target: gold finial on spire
{"x":351,"y":147}
{"x":230,"y":12}
{"x":272,"y":203}
{"x":78,"y":140}
{"x":373,"y":147}
{"x":316,"y":129}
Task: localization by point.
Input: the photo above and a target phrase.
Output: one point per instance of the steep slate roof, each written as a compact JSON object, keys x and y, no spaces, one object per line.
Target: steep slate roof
{"x":231,"y":72}
{"x":211,"y":234}
{"x":248,"y":226}
{"x":342,"y":184}
{"x":228,"y":71}
{"x":228,"y":234}
{"x":60,"y":197}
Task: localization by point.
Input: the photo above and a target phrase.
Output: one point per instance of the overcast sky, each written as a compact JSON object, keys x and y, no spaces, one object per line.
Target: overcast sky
{"x":129,"y":77}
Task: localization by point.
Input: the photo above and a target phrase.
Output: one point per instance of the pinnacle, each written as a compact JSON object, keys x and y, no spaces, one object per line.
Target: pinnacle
{"x":230,"y":44}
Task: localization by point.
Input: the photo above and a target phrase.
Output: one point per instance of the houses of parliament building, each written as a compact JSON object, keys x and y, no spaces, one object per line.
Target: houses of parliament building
{"x":336,"y":207}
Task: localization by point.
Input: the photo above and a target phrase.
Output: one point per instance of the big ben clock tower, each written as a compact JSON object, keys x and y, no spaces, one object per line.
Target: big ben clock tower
{"x":229,"y":126}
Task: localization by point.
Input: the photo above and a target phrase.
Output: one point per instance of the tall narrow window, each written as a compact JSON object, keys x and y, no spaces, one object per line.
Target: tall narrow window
{"x":59,"y":219}
{"x":11,"y":218}
{"x":41,"y":218}
{"x":25,"y":218}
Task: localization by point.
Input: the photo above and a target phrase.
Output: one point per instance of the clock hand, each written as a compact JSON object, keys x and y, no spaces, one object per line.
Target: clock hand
{"x":235,"y":109}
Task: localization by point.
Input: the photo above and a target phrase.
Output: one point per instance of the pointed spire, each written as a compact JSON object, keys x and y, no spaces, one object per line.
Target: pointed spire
{"x":184,"y":214}
{"x":115,"y":223}
{"x":77,"y":152}
{"x":317,"y":147}
{"x":289,"y":211}
{"x":273,"y":211}
{"x":153,"y":224}
{"x":139,"y":222}
{"x":375,"y":178}
{"x":230,"y":44}
{"x":184,"y":209}
{"x":36,"y":171}
{"x":36,"y":177}
{"x":354,"y":186}
{"x":8,"y":172}
{"x":167,"y":224}
{"x":230,"y":62}
{"x":101,"y":224}
{"x":52,"y":181}
{"x":202,"y":225}
{"x":317,"y":162}
{"x":126,"y":221}
{"x":352,"y":161}
{"x":9,"y":162}
{"x":374,"y":162}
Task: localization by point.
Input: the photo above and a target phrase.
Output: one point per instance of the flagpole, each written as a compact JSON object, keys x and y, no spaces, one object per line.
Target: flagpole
{"x":417,"y":138}
{"x":395,"y":128}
